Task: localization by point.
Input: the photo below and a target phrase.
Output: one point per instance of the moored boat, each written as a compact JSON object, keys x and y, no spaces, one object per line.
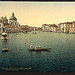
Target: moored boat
{"x":4,"y":36}
{"x":5,"y":50}
{"x":34,"y":33}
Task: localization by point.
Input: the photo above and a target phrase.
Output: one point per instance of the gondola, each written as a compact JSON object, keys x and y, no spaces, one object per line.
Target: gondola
{"x":40,"y":49}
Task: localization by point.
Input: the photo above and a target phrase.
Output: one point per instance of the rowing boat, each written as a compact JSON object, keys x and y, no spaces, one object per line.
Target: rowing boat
{"x":40,"y":49}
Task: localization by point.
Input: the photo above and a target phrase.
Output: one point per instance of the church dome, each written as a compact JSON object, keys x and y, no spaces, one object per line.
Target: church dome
{"x":5,"y":19}
{"x":13,"y":17}
{"x":0,"y":18}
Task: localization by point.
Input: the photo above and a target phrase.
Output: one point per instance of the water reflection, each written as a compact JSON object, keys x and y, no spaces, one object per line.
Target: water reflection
{"x":38,"y":52}
{"x":4,"y":43}
{"x":4,"y":40}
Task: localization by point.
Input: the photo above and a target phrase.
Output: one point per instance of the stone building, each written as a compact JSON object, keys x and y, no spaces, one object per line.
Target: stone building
{"x":3,"y":22}
{"x":49,"y":27}
{"x":73,"y":27}
{"x":67,"y":27}
{"x":13,"y":29}
{"x":24,"y":28}
{"x":53,"y":27}
{"x":46,"y":27}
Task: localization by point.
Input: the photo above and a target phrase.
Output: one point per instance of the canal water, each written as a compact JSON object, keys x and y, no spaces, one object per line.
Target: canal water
{"x":61,"y":57}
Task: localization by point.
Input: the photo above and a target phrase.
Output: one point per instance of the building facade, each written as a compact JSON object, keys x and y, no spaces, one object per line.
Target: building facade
{"x":9,"y":26}
{"x":67,"y":27}
{"x":49,"y":27}
{"x":24,"y":28}
{"x":3,"y":21}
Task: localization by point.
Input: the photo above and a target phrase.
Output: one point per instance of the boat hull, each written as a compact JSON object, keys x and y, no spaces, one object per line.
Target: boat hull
{"x":4,"y":38}
{"x":5,"y":50}
{"x":39,"y":49}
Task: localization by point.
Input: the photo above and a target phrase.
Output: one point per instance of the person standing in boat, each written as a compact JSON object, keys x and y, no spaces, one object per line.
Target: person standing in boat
{"x":30,"y":46}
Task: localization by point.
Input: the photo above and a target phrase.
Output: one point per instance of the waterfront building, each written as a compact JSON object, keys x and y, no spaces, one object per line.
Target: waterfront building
{"x":46,"y":27}
{"x":39,"y":28}
{"x":73,"y":26}
{"x":24,"y":28}
{"x":9,"y":26}
{"x":31,"y":28}
{"x":5,"y":20}
{"x":53,"y":27}
{"x":13,"y":29}
{"x":66,"y":27}
{"x":2,"y":22}
{"x":49,"y":27}
{"x":61,"y":27}
{"x":36,"y":28}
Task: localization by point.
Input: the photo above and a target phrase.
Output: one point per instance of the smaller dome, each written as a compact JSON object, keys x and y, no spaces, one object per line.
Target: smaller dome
{"x":0,"y":18}
{"x":5,"y":19}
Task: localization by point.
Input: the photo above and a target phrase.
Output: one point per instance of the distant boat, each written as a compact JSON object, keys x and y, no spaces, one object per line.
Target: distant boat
{"x":4,"y":36}
{"x":73,"y":33}
{"x":17,"y":33}
{"x":38,"y":48}
{"x":25,"y":32}
{"x":5,"y":50}
{"x":34,"y":33}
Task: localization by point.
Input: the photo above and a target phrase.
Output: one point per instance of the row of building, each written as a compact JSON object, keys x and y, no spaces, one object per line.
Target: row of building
{"x":66,"y":27}
{"x":29,"y":28}
{"x":49,"y":27}
{"x":12,"y":25}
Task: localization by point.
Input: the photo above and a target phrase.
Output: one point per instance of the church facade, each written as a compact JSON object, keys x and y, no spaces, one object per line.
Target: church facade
{"x":9,"y":26}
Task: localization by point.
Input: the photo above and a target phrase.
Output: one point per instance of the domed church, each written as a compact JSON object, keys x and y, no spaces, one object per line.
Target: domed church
{"x":9,"y":26}
{"x":13,"y":20}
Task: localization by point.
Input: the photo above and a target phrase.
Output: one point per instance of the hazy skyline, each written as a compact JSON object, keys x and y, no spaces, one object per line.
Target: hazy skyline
{"x":38,"y":13}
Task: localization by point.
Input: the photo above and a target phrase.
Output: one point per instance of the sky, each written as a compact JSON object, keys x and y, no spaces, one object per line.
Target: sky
{"x":38,"y":13}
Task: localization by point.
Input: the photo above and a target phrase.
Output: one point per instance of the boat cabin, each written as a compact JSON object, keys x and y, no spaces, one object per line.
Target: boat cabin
{"x":37,"y":47}
{"x":4,"y":34}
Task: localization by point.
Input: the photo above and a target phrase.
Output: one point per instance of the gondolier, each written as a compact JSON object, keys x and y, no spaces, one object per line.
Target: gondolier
{"x":30,"y":46}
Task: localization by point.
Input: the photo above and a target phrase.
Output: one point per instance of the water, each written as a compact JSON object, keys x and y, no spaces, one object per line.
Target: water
{"x":61,"y":58}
